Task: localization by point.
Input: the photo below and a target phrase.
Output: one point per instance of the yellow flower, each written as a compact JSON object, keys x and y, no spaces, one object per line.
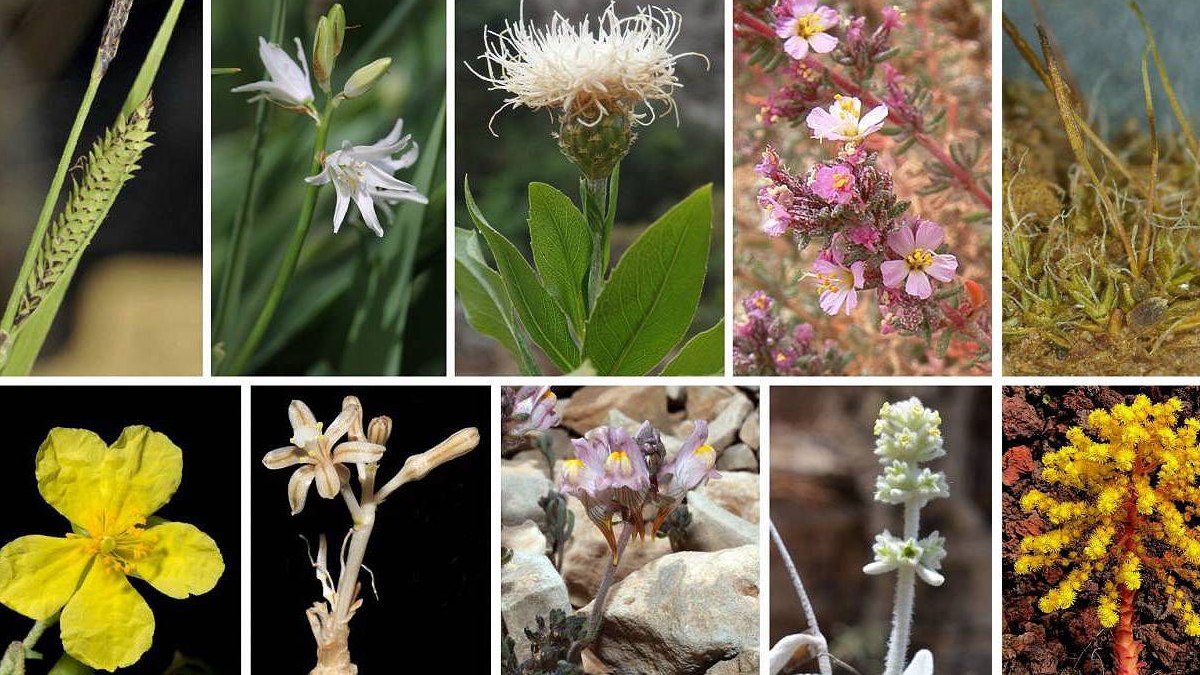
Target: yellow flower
{"x":109,"y":494}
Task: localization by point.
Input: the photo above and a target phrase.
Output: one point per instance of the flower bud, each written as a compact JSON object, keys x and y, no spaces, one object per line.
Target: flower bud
{"x":597,"y":148}
{"x":324,"y":54}
{"x":337,"y":20}
{"x":379,"y":430}
{"x":364,"y":78}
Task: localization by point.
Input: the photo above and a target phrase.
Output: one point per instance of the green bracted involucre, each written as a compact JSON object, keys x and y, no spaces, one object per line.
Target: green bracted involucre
{"x":110,"y":164}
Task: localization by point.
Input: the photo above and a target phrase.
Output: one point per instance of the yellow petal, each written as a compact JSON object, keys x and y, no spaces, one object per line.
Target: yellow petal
{"x":38,"y":574}
{"x":183,"y":562}
{"x":107,"y":624}
{"x":108,"y":489}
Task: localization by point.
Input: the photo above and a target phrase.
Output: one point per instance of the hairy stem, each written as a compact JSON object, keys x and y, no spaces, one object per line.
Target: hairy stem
{"x":594,"y":195}
{"x":13,"y":660}
{"x":823,"y":662}
{"x":902,"y":609}
{"x":288,"y":267}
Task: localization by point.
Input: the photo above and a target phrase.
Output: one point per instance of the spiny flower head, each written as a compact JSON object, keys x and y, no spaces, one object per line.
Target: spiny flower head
{"x":1124,"y":508}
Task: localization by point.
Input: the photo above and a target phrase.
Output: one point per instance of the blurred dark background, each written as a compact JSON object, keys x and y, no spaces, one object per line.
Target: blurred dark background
{"x":1102,"y":43}
{"x":430,"y":550}
{"x":823,"y":471}
{"x":412,"y":33}
{"x":135,"y":304}
{"x":205,"y":628}
{"x":666,"y":164}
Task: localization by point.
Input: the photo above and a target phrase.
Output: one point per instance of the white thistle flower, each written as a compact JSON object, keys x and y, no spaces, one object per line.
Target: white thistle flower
{"x":363,"y":173}
{"x":625,"y":65}
{"x":287,"y":84}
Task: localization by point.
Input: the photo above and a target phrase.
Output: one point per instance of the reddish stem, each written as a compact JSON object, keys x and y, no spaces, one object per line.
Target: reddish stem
{"x":963,"y":176}
{"x":1125,"y":649}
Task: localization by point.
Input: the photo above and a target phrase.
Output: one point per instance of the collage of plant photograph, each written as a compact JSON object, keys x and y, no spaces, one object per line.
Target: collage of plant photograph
{"x":600,"y":337}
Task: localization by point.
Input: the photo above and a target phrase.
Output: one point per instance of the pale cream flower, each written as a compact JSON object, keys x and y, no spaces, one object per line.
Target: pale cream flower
{"x":624,"y":65}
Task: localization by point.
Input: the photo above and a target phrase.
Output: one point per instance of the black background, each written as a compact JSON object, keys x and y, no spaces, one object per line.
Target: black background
{"x":430,"y":549}
{"x":205,"y":422}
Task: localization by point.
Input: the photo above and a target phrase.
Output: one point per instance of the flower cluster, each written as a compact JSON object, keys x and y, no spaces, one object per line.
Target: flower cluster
{"x":764,"y":345}
{"x":617,"y":475}
{"x":908,"y":434}
{"x":363,"y":174}
{"x":526,"y":412}
{"x":868,"y":240}
{"x":1125,"y":503}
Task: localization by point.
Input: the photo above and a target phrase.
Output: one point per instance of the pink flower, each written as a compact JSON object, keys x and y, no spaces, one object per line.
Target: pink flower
{"x":803,"y":25}
{"x":834,"y":184}
{"x":691,"y":467}
{"x":769,"y":166}
{"x":844,"y":120}
{"x":758,"y":305}
{"x":892,"y":18}
{"x":837,"y":283}
{"x":917,"y":244}
{"x":776,"y":200}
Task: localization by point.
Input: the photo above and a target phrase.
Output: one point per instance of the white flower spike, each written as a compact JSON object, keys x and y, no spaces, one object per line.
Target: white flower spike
{"x":287,"y":84}
{"x":364,"y":174}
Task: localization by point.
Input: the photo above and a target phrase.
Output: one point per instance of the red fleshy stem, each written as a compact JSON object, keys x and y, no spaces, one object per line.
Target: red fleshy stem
{"x":1125,"y":649}
{"x":748,"y":21}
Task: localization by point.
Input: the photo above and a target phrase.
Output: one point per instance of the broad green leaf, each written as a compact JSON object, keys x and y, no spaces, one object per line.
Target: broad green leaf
{"x":69,"y":666}
{"x":540,"y":315}
{"x":652,"y":295}
{"x":704,"y":354}
{"x":562,"y":248}
{"x":487,"y":305}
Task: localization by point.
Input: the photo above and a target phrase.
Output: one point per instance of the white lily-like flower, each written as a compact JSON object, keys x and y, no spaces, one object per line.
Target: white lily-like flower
{"x":287,"y":84}
{"x":364,"y":174}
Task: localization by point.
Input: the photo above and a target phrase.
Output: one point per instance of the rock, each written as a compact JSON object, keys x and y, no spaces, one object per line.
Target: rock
{"x":532,"y":458}
{"x":749,"y":433}
{"x":529,"y":587}
{"x":526,"y":537}
{"x":737,"y":457}
{"x":588,"y":555}
{"x":736,"y":492}
{"x":589,"y":407}
{"x":715,"y":529}
{"x":685,"y":613}
{"x":741,"y":665}
{"x":725,"y":408}
{"x":521,"y":486}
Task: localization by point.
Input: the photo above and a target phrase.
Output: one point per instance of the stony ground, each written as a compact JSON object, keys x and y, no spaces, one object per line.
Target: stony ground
{"x":1073,"y":642}
{"x":689,"y":611}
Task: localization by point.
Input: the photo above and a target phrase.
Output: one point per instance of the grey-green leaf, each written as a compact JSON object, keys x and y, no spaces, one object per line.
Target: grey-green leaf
{"x":485,"y":301}
{"x":704,"y":354}
{"x":540,"y":315}
{"x":650,"y":300}
{"x":562,"y":248}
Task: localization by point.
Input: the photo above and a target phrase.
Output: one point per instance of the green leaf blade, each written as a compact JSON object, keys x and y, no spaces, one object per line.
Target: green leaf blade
{"x":540,"y":314}
{"x":652,"y":295}
{"x":487,"y":305}
{"x":562,"y":248}
{"x":704,"y":354}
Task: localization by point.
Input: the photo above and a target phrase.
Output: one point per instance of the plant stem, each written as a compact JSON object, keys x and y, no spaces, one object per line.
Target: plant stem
{"x":231,"y":280}
{"x":902,"y":609}
{"x":594,"y":195}
{"x":13,"y":662}
{"x":348,"y":578}
{"x":1125,"y":649}
{"x":56,"y":183}
{"x":596,"y":618}
{"x":823,"y":663}
{"x":288,"y":267}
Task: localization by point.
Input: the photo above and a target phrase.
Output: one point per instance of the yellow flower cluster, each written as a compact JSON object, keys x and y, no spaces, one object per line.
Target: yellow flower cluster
{"x":1126,"y":500}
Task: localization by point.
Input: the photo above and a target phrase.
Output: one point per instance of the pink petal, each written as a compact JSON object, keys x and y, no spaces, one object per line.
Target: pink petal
{"x":831,"y":301}
{"x":822,"y":43}
{"x":893,"y":272}
{"x":901,"y":241}
{"x":851,"y":301}
{"x":801,"y":7}
{"x":786,"y":29}
{"x":857,"y":270}
{"x":821,"y":123}
{"x":822,"y":266}
{"x":918,"y":285}
{"x":943,"y":267}
{"x":796,"y":47}
{"x":929,"y":235}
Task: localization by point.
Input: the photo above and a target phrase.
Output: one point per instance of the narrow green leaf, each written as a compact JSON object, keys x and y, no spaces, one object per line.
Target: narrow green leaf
{"x":704,"y":354}
{"x":540,"y":315}
{"x":652,"y":295}
{"x":488,"y":307}
{"x":562,"y":248}
{"x":145,"y":77}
